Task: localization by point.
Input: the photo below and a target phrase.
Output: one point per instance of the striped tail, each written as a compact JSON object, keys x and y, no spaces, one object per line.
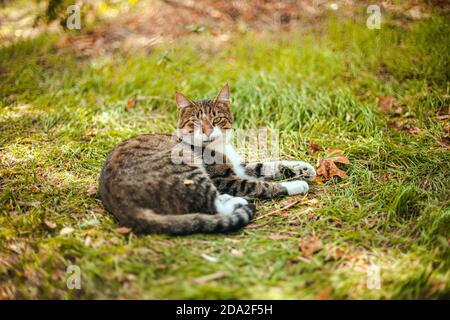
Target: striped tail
{"x":146,"y":221}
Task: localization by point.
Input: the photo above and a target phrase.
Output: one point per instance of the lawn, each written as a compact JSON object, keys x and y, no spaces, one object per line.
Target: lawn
{"x":61,"y":113}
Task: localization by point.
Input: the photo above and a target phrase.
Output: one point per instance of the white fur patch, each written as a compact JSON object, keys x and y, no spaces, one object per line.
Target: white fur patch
{"x":226,"y":204}
{"x":236,"y":162}
{"x":295,"y":187}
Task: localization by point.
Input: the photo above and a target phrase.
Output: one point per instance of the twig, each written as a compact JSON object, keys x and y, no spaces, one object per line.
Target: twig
{"x":279,"y":210}
{"x":210,"y":277}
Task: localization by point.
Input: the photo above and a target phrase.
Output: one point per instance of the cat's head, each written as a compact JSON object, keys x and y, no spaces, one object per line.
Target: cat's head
{"x":205,"y":120}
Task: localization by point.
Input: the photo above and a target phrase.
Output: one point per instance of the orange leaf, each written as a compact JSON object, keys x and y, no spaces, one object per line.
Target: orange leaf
{"x":309,"y":246}
{"x":132,"y":103}
{"x":92,"y":190}
{"x":386,"y":103}
{"x":322,"y":170}
{"x":335,"y":171}
{"x":334,"y":151}
{"x":340,"y":159}
{"x":327,"y":167}
{"x":314,"y":147}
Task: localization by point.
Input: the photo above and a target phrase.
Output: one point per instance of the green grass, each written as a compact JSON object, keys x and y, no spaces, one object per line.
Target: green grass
{"x":60,"y":115}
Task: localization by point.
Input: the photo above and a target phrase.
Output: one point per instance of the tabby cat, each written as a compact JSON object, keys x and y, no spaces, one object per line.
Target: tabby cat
{"x":149,"y":189}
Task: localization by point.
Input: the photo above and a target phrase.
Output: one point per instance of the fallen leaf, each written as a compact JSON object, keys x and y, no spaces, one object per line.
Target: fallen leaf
{"x":310,"y":245}
{"x":92,"y":190}
{"x":188,"y":182}
{"x":123,"y":230}
{"x":132,"y":103}
{"x":327,"y":168}
{"x":325,"y":294}
{"x":50,"y":224}
{"x":40,"y":164}
{"x":314,"y":147}
{"x":442,"y":117}
{"x":386,"y":103}
{"x":394,"y":124}
{"x":335,"y":253}
{"x":7,"y":172}
{"x":411,"y":129}
{"x":335,"y":171}
{"x":66,"y":230}
{"x":444,"y":141}
{"x":277,"y":236}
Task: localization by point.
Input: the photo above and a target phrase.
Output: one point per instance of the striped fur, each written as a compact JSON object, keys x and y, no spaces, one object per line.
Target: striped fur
{"x":142,"y":185}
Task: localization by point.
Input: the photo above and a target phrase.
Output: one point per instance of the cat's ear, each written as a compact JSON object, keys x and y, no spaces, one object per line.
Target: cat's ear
{"x":182,"y":100}
{"x":224,"y":95}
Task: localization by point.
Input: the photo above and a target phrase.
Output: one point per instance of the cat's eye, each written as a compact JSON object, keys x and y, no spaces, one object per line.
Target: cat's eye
{"x":217,"y":121}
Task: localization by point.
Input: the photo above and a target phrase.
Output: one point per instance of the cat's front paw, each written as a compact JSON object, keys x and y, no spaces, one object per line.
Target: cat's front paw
{"x":299,"y":169}
{"x":226,"y":204}
{"x":295,"y":187}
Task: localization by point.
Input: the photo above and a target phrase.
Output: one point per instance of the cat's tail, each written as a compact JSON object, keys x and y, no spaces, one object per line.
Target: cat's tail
{"x":146,"y":221}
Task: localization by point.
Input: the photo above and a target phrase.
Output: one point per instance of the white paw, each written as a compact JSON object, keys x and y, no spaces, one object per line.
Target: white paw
{"x":295,"y":187}
{"x":224,"y":197}
{"x":301,"y":169}
{"x":226,"y":204}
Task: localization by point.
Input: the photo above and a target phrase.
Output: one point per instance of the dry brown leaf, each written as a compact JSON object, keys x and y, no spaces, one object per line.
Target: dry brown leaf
{"x":123,"y":230}
{"x":394,"y":124}
{"x":91,"y":191}
{"x":325,"y":294}
{"x":327,"y":167}
{"x":386,"y":103}
{"x":7,"y":172}
{"x":334,"y":152}
{"x":339,"y":159}
{"x":442,"y":117}
{"x":310,"y":245}
{"x":444,"y":141}
{"x":314,"y":147}
{"x":335,"y":171}
{"x":132,"y":103}
{"x":335,"y":253}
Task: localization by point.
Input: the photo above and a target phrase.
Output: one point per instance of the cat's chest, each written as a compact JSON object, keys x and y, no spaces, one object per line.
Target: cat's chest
{"x":226,"y":162}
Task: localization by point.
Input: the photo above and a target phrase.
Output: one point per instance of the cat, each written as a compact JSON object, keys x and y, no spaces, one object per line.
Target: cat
{"x":150,"y":190}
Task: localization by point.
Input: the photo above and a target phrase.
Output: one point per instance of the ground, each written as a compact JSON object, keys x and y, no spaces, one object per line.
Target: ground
{"x":379,"y":95}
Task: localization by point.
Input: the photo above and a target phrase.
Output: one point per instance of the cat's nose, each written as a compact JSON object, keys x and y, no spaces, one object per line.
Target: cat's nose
{"x":207,"y":129}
